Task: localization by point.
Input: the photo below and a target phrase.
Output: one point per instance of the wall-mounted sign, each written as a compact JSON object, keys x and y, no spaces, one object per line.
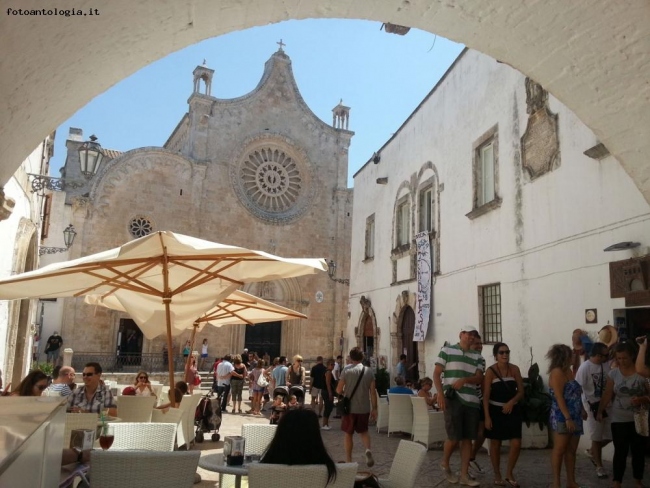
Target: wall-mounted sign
{"x":591,"y":316}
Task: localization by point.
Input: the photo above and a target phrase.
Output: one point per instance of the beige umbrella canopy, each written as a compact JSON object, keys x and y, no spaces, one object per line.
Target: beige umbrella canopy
{"x":160,"y":275}
{"x":238,"y":308}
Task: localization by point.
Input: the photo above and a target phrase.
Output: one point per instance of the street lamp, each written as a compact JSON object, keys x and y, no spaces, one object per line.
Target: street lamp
{"x":90,"y":157}
{"x":68,"y":238}
{"x":331,"y":272}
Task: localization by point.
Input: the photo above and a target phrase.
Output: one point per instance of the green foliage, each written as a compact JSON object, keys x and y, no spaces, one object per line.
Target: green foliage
{"x":382,"y":381}
{"x":46,"y":368}
{"x":536,"y":405}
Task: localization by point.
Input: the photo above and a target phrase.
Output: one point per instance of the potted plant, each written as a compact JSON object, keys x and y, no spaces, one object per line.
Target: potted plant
{"x":536,"y":408}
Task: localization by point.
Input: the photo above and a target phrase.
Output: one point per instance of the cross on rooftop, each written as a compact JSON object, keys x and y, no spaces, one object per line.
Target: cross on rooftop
{"x":281,"y":44}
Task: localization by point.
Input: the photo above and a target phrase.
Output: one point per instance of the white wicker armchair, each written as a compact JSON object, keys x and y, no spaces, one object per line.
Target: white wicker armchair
{"x":144,"y":437}
{"x":171,"y":416}
{"x":400,"y":413}
{"x":406,"y":465}
{"x":382,"y":412}
{"x":78,"y":421}
{"x":283,"y":476}
{"x":258,"y":437}
{"x":135,"y":408}
{"x":186,"y":433}
{"x":143,"y":469}
{"x":428,"y":425}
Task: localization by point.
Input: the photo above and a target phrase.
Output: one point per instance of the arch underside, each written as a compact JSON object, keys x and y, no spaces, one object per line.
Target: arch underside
{"x":592,"y":56}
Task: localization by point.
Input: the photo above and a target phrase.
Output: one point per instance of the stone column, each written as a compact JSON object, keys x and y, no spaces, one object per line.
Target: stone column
{"x":67,"y":356}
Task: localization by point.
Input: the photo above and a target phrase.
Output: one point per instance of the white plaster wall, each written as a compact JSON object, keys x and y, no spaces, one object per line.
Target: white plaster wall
{"x":27,"y":207}
{"x":567,"y":217}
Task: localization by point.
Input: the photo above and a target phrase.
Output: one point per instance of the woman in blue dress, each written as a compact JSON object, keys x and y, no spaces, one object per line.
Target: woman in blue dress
{"x":567,"y":413}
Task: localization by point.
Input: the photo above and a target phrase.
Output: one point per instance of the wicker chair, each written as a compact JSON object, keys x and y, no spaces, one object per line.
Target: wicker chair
{"x":283,"y":476}
{"x":134,"y":408}
{"x":185,"y":434}
{"x":382,"y":412}
{"x":400,"y":413}
{"x":172,"y":416}
{"x":428,"y":425}
{"x":143,"y":469}
{"x":258,"y":437}
{"x":143,"y":437}
{"x":78,"y":421}
{"x":406,"y":465}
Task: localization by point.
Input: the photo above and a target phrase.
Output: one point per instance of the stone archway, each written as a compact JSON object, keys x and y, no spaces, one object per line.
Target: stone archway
{"x":19,"y":333}
{"x":415,"y":351}
{"x":594,"y":57}
{"x":367,"y":332}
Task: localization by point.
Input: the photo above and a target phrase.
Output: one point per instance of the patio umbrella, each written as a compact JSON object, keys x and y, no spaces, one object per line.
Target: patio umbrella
{"x":163,"y":274}
{"x":237,"y":308}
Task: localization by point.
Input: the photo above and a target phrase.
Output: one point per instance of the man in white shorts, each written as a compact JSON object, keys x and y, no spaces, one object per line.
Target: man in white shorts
{"x":592,"y":376}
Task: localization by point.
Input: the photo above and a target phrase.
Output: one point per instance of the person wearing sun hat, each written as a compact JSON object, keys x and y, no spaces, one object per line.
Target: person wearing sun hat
{"x":458,"y":399}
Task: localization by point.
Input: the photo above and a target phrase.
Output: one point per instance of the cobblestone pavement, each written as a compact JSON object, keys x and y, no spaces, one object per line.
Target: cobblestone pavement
{"x":533,"y":468}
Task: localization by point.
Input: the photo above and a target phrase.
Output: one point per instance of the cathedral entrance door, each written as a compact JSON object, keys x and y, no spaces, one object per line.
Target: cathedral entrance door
{"x":264,"y":338}
{"x":129,"y":345}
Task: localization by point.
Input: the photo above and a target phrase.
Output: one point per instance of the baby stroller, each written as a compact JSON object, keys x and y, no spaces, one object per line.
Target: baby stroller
{"x":299,"y":392}
{"x":283,"y":391}
{"x":207,"y":418}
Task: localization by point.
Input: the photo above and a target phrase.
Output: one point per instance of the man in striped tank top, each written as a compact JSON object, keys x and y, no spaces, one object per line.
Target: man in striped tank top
{"x":457,"y":393}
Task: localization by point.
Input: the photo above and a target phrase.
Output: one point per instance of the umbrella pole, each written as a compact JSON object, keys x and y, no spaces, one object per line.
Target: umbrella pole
{"x":189,"y":358}
{"x":170,"y":348}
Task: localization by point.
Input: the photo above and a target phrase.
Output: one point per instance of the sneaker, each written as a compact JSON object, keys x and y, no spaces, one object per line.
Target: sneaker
{"x":370,"y":462}
{"x":469,"y":475}
{"x":468,"y":482}
{"x":601,"y":473}
{"x":327,"y":427}
{"x":475,"y":466}
{"x":449,"y":476}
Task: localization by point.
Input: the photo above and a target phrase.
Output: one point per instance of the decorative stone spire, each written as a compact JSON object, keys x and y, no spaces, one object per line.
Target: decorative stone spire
{"x":203,"y":73}
{"x":340,"y":116}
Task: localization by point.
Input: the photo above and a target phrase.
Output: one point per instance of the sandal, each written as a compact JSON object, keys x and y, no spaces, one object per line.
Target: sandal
{"x":512,"y":483}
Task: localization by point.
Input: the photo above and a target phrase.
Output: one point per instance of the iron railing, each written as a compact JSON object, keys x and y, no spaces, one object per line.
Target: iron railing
{"x":128,"y":362}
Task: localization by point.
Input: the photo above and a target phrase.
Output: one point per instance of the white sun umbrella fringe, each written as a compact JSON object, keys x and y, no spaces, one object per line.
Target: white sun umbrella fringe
{"x":160,"y":275}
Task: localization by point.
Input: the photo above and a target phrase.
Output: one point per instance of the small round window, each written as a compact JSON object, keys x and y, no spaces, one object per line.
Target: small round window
{"x":140,"y":227}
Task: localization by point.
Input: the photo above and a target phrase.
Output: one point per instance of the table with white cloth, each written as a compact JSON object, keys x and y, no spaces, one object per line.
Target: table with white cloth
{"x":214,"y":462}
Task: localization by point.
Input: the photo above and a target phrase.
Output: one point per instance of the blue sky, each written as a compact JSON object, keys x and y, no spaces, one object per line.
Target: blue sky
{"x":381,"y":76}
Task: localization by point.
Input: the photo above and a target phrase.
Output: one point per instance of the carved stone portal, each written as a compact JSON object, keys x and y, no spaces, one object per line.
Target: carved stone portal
{"x":540,"y":144}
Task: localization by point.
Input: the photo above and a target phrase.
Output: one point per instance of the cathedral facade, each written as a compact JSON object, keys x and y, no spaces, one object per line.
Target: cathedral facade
{"x":261,"y":171}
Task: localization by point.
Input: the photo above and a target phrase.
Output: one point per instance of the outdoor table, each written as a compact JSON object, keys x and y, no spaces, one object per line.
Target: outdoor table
{"x":214,"y":462}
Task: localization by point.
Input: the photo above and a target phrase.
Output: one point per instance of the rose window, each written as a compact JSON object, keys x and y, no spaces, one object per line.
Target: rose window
{"x":140,"y":227}
{"x":271,"y":180}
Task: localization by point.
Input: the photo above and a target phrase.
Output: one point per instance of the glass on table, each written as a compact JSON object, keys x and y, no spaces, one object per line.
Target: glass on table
{"x":106,"y":437}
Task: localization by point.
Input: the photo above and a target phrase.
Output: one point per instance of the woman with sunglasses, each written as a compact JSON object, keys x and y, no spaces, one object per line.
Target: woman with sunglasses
{"x":142,"y":386}
{"x":296,"y":373}
{"x":503,"y":388}
{"x":32,"y":385}
{"x":567,"y":413}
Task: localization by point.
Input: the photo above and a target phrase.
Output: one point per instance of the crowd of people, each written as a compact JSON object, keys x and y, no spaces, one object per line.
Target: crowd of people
{"x":608,"y":393}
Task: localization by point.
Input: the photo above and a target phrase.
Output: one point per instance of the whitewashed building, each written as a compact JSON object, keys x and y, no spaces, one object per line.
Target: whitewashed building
{"x":21,"y":229}
{"x":497,"y":171}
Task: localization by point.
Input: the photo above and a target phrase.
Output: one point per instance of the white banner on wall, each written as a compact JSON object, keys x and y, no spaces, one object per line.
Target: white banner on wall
{"x":424,"y":269}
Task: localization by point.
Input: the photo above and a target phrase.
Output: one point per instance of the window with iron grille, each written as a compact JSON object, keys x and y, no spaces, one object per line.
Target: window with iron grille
{"x":490,"y":312}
